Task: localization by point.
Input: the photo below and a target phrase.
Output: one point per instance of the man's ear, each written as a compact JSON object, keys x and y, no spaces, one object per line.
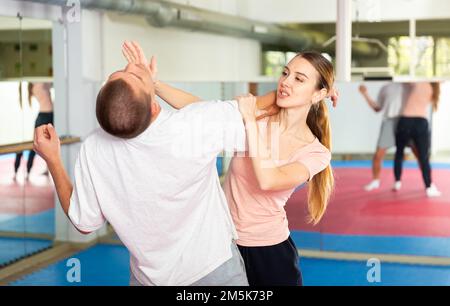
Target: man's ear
{"x":154,"y":107}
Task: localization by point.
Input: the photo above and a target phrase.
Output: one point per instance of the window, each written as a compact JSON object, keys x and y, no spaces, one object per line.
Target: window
{"x":274,"y":62}
{"x":443,"y":57}
{"x":428,"y":64}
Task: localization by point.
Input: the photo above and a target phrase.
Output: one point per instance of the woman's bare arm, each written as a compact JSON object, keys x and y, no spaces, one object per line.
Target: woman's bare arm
{"x":268,"y":174}
{"x":178,"y":98}
{"x":175,"y":97}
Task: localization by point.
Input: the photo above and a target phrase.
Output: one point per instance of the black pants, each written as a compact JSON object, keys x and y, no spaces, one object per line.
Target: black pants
{"x":417,"y":130}
{"x":276,"y":265}
{"x":42,"y":118}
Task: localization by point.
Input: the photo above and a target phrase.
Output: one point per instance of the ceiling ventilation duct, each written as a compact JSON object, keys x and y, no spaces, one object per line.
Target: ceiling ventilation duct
{"x":163,"y":14}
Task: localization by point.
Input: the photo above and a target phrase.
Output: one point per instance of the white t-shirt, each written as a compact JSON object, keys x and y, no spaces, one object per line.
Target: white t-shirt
{"x":390,"y":99}
{"x":161,"y":191}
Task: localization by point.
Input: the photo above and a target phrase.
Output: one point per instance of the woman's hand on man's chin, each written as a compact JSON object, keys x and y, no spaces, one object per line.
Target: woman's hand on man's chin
{"x":268,"y":104}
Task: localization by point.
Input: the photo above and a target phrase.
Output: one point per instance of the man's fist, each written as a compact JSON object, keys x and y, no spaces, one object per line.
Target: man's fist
{"x":46,"y":143}
{"x":247,"y":106}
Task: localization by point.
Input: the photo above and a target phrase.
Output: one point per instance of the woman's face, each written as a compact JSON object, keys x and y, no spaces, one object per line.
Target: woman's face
{"x":297,"y":85}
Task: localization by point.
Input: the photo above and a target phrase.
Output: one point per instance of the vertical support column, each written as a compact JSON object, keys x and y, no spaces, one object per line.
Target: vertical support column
{"x":344,"y":40}
{"x":61,"y":113}
{"x":70,"y":108}
{"x":435,"y":58}
{"x":412,"y":37}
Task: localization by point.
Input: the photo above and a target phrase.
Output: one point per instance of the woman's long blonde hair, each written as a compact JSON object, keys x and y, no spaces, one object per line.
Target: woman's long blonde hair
{"x":321,"y":186}
{"x":436,"y":87}
{"x":30,"y":93}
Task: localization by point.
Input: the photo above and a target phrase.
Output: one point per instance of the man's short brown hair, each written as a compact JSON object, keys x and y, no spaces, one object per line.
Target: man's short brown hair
{"x":121,"y":112}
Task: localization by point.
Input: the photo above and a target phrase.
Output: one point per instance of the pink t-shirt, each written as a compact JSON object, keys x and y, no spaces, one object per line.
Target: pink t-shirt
{"x":259,"y":215}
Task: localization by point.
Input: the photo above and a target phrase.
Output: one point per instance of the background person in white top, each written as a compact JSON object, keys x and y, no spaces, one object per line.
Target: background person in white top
{"x":390,"y":101}
{"x":152,"y":174}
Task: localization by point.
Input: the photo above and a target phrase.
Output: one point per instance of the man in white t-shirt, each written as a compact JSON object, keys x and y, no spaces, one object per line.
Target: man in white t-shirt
{"x":151,"y":173}
{"x":390,"y":102}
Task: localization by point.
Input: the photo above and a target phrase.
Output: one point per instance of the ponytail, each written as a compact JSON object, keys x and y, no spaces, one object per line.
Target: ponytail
{"x":30,"y":93}
{"x":20,"y":95}
{"x":321,"y":186}
{"x":436,"y":95}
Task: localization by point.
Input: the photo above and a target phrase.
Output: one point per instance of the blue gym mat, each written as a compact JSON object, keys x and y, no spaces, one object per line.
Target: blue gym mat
{"x":386,"y":164}
{"x":40,"y":223}
{"x":109,"y":265}
{"x":325,"y":272}
{"x":399,"y":245}
{"x":12,"y":249}
{"x":100,"y":265}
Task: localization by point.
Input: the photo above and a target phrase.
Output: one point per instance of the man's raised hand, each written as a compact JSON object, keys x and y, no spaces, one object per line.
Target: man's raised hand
{"x":134,"y":54}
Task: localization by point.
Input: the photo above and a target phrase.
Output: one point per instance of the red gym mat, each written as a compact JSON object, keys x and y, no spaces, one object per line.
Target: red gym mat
{"x":25,"y":197}
{"x":353,"y":211}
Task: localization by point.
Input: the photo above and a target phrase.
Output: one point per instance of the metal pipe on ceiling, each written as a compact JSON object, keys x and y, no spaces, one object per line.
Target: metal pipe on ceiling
{"x":164,"y":14}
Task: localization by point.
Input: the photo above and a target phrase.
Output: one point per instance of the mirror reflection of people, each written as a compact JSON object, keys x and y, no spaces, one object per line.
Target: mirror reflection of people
{"x":389,"y":101}
{"x":413,"y":125}
{"x":41,"y":91}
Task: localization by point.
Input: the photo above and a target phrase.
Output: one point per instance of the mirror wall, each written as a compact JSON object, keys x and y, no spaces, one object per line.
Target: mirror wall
{"x":26,"y":99}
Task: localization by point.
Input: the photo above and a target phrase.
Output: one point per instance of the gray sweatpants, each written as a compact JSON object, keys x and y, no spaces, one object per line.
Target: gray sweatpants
{"x":230,"y":273}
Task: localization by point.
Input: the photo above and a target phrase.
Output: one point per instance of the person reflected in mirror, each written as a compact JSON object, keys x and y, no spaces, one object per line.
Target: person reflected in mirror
{"x":40,"y":91}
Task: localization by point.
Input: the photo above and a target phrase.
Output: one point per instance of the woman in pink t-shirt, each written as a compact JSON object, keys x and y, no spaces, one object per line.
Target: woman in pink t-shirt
{"x":288,"y":147}
{"x":257,"y":187}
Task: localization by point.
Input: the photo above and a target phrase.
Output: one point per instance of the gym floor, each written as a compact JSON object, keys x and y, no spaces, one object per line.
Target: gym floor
{"x":108,"y":265}
{"x":27,"y":214}
{"x":380,"y":222}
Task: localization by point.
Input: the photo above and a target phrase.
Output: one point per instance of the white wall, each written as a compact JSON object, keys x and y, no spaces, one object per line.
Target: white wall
{"x":355,"y":125}
{"x":16,"y":123}
{"x":441,"y":122}
{"x":182,"y":55}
